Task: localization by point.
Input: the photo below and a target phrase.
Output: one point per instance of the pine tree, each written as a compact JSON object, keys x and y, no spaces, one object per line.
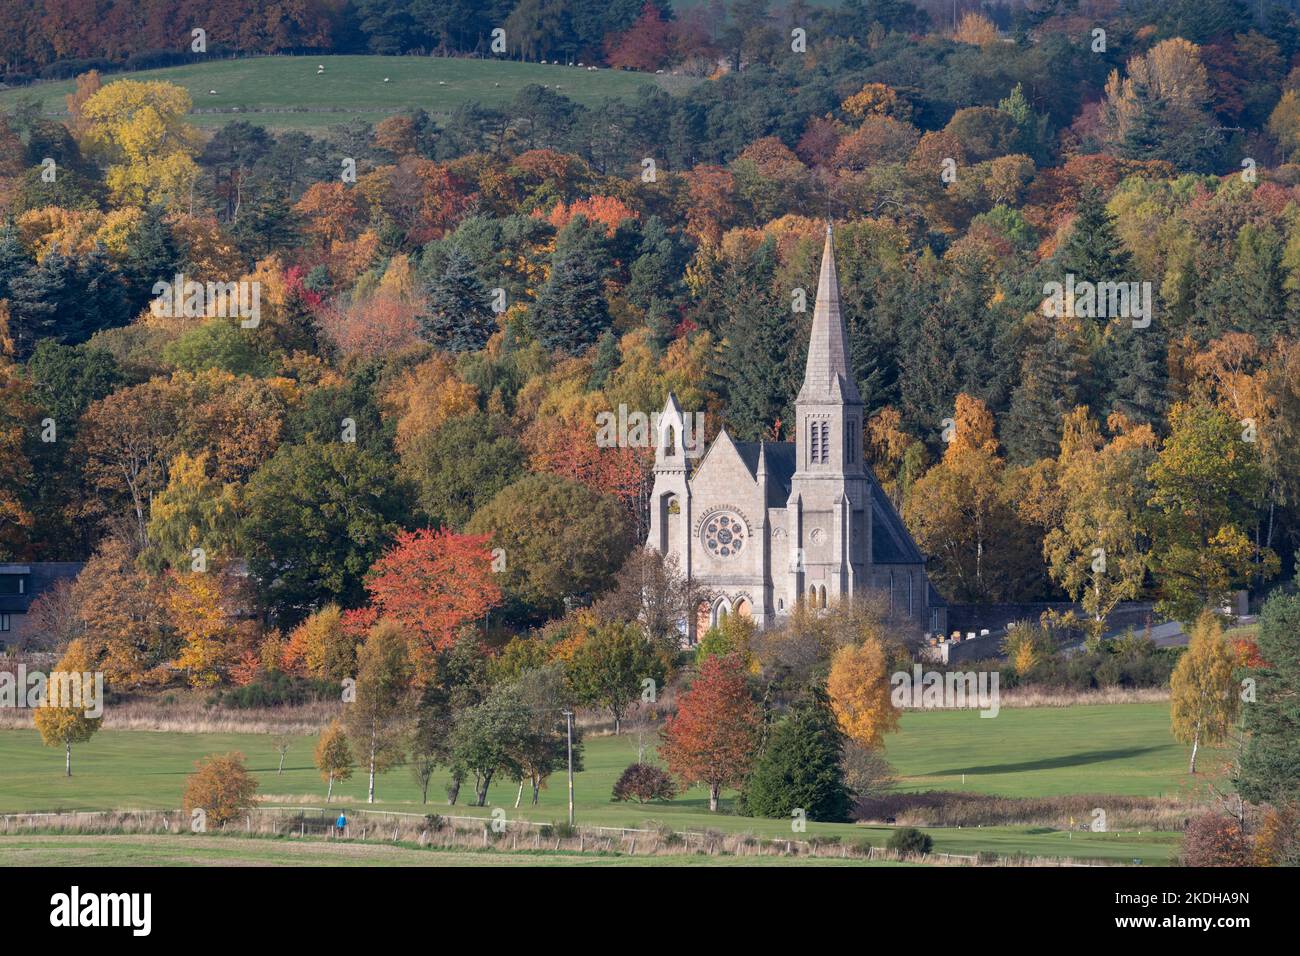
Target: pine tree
{"x":571,"y":311}
{"x":655,"y":273}
{"x":799,"y":767}
{"x":1093,"y":251}
{"x":1256,"y":294}
{"x":1051,"y":383}
{"x":1134,"y":365}
{"x":459,"y":317}
{"x":151,"y":256}
{"x":761,"y":359}
{"x":607,"y":360}
{"x":14,"y":262}
{"x":1270,"y":766}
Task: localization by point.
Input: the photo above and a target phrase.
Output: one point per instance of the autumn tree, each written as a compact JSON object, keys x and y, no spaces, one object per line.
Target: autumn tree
{"x":333,"y":756}
{"x":711,"y":738}
{"x":859,"y":692}
{"x":643,"y":46}
{"x":1097,"y":552}
{"x":433,"y":583}
{"x":1214,"y":839}
{"x":71,"y":695}
{"x":126,"y":441}
{"x":960,"y":512}
{"x":322,"y":646}
{"x":1206,"y":483}
{"x":1160,"y":109}
{"x":194,"y":511}
{"x":1203,"y":690}
{"x":377,"y":720}
{"x":204,"y":609}
{"x":221,"y":787}
{"x":124,"y":616}
{"x":141,"y":130}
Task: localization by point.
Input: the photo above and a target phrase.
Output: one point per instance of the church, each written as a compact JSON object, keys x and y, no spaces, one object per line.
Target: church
{"x":760,"y":526}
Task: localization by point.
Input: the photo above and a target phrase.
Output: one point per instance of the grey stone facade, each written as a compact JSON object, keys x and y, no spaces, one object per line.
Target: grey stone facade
{"x":762,"y":525}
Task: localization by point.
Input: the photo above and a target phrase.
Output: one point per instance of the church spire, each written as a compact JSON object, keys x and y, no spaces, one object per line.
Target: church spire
{"x":828,"y":376}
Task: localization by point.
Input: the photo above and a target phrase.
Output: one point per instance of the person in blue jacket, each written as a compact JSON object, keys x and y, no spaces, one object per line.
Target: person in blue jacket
{"x":341,"y":823}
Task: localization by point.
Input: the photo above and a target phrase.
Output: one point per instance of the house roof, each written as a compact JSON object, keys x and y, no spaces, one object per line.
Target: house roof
{"x":41,"y":576}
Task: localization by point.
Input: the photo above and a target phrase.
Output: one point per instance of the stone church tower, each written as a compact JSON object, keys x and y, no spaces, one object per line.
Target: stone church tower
{"x":763,"y":525}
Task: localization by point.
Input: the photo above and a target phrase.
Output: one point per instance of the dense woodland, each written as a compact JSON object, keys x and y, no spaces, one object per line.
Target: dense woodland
{"x":393,"y":472}
{"x":440,"y":333}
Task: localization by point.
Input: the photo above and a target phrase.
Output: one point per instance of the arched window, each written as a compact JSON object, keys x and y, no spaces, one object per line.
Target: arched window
{"x":670,"y":441}
{"x":821,"y":597}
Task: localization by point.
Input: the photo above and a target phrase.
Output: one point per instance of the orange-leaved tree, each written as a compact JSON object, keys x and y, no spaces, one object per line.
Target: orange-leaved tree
{"x":434,"y":583}
{"x":712,"y":738}
{"x":221,"y":788}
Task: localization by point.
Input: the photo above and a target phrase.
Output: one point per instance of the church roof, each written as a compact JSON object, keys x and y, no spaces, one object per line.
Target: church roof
{"x":828,"y":376}
{"x":780,"y":467}
{"x":890,"y":541}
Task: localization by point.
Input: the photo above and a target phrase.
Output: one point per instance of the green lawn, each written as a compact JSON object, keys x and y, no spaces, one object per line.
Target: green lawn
{"x":1123,"y":749}
{"x":1120,"y":749}
{"x":353,"y":87}
{"x":191,"y":850}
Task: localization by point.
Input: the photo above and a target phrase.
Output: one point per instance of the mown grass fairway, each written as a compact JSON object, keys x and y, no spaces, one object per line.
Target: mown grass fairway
{"x":1120,"y":749}
{"x":266,"y":89}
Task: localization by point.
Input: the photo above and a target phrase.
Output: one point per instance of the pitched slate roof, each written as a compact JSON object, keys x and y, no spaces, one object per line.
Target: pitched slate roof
{"x":780,"y":467}
{"x":890,"y":541}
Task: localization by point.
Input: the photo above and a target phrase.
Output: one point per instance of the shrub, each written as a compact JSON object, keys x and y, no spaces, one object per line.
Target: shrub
{"x":910,"y":840}
{"x":866,"y":772}
{"x":222,"y":788}
{"x":642,"y":782}
{"x":1213,"y":839}
{"x":275,"y":690}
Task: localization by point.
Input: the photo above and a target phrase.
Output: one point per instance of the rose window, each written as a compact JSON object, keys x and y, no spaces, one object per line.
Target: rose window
{"x":724,"y":535}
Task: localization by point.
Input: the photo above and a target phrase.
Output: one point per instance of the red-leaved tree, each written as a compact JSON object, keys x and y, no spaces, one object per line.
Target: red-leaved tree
{"x":711,"y":739}
{"x":433,"y":583}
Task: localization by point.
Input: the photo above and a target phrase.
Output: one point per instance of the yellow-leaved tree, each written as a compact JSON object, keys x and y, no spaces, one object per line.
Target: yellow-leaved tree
{"x":199,"y":602}
{"x":1203,"y":699}
{"x":1096,"y":551}
{"x":333,"y":756}
{"x":139,"y":129}
{"x":858,"y":687}
{"x":60,"y":723}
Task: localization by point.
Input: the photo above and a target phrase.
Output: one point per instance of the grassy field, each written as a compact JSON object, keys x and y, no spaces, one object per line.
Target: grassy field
{"x":192,"y":850}
{"x":1119,"y":749}
{"x":272,"y":91}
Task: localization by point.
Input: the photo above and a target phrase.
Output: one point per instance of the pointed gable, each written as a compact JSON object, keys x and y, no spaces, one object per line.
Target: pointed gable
{"x":828,"y":376}
{"x":725,"y":463}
